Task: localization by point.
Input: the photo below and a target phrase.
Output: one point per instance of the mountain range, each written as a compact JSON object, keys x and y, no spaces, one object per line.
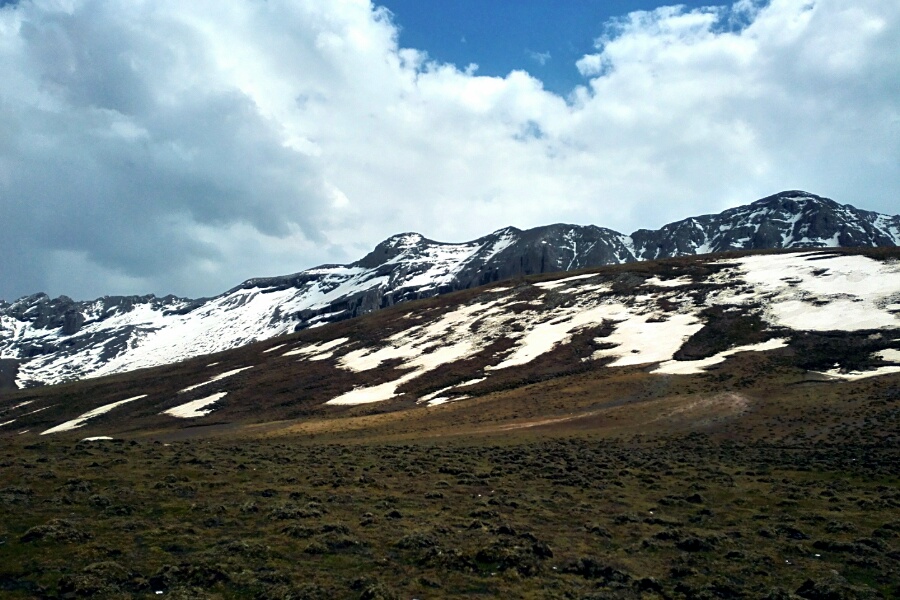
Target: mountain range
{"x":650,"y":343}
{"x":48,"y":341}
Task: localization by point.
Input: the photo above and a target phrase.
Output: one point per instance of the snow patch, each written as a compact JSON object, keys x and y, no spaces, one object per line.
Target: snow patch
{"x":694,"y":367}
{"x":219,"y":377}
{"x":83,"y":419}
{"x":822,"y":292}
{"x":676,"y":282}
{"x":856,"y":375}
{"x":197,"y":408}
{"x":549,"y":285}
{"x":639,"y":340}
{"x":422,"y":347}
{"x":317,"y":348}
{"x":375,"y":393}
{"x":545,"y":336}
{"x":435,"y":395}
{"x":443,"y":400}
{"x":889,"y":355}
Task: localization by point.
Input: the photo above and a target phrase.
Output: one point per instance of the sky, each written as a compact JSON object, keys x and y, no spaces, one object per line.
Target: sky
{"x":162,"y":146}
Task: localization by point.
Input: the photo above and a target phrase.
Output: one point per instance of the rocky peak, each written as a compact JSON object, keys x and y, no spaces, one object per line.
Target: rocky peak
{"x":391,"y":248}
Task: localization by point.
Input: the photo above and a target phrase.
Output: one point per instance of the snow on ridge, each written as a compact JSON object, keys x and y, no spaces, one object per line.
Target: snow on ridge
{"x":151,"y":333}
{"x":84,"y":418}
{"x":506,"y":239}
{"x":843,"y":292}
{"x":442,"y":263}
{"x":234,"y":319}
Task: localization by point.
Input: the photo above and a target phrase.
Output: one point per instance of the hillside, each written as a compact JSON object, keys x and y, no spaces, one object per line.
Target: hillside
{"x":45,"y":340}
{"x":810,"y":315}
{"x":701,"y":427}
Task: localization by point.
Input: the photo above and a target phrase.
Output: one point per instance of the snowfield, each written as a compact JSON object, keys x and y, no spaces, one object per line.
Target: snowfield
{"x":639,"y":324}
{"x":817,"y":291}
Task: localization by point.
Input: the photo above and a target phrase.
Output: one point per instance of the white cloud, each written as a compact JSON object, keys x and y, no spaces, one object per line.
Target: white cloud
{"x":179,"y":147}
{"x":541,"y":58}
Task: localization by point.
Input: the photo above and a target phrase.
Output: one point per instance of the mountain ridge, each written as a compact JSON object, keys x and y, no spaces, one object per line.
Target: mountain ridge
{"x":44,"y":340}
{"x":754,"y":325}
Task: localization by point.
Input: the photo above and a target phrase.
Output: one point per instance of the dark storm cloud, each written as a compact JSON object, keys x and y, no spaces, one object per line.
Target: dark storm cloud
{"x":109,"y":150}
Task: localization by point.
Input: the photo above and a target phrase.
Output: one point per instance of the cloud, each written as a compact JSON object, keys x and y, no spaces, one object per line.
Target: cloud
{"x":541,"y":58}
{"x":165,"y":146}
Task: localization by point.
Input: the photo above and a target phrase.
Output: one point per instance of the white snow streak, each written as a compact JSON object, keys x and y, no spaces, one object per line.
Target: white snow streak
{"x":855,"y":375}
{"x":321,"y":347}
{"x":197,"y":408}
{"x":889,"y":355}
{"x":80,"y":421}
{"x":214,"y":379}
{"x":693,"y":367}
{"x":549,"y":285}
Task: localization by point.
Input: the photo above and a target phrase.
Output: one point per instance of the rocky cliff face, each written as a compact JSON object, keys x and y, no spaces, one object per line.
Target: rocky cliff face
{"x":791,"y":219}
{"x":44,"y":340}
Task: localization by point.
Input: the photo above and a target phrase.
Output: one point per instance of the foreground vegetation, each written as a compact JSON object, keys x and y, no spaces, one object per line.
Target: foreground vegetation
{"x":563,"y":517}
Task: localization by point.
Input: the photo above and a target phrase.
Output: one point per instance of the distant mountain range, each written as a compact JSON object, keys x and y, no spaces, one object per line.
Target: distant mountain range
{"x":45,"y":341}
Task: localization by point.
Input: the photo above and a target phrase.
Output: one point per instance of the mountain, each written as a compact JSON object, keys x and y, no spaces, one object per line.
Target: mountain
{"x":757,"y":325}
{"x":718,"y":426}
{"x":46,"y":341}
